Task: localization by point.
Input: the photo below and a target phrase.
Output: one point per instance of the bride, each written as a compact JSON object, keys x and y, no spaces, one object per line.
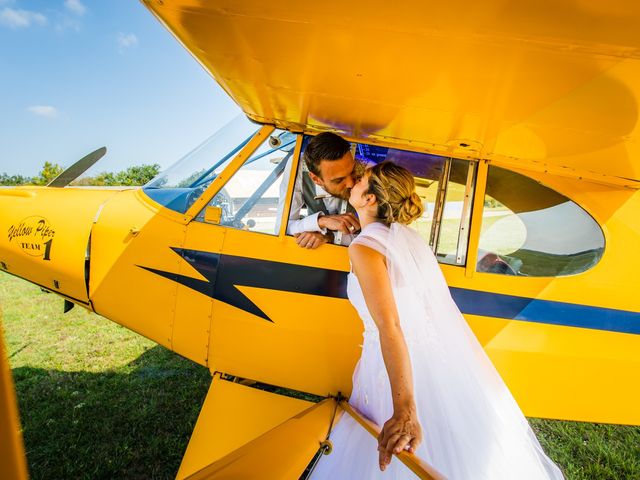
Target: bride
{"x":423,"y":374}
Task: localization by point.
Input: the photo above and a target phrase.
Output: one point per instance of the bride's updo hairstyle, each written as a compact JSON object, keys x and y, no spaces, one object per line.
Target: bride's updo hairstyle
{"x":395,"y":192}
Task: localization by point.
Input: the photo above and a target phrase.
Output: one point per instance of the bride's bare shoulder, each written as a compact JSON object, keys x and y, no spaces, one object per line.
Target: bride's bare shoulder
{"x":367,"y":264}
{"x":361,"y":254}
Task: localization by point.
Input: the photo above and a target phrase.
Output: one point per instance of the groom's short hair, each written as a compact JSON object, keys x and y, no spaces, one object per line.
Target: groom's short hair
{"x":324,"y":146}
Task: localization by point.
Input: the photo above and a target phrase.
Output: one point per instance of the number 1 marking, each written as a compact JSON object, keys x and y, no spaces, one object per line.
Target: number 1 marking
{"x":47,"y":250}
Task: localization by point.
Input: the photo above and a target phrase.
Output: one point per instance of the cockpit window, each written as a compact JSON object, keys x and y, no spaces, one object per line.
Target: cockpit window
{"x":180,"y":185}
{"x":253,"y":198}
{"x":445,"y":186}
{"x":530,"y":230}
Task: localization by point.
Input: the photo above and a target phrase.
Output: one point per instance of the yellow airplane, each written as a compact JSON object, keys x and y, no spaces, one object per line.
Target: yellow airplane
{"x":520,"y":124}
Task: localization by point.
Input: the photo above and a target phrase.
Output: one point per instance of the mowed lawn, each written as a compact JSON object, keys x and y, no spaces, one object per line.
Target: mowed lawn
{"x":99,"y":402}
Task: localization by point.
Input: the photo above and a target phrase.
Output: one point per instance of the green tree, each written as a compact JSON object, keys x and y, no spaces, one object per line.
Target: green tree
{"x":137,"y":175}
{"x":132,"y":176}
{"x":84,"y":181}
{"x":49,"y":172}
{"x":13,"y":179}
{"x":105,"y":179}
{"x":193,"y":177}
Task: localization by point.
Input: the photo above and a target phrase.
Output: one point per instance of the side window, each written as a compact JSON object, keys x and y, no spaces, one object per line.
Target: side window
{"x":530,"y":230}
{"x":252,"y":199}
{"x":445,"y":186}
{"x":452,"y":212}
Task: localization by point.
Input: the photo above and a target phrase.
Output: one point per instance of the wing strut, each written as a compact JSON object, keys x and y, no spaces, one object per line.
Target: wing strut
{"x":13,"y":463}
{"x":418,"y":466}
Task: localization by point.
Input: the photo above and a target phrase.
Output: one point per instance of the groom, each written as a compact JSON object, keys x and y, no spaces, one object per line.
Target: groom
{"x":324,"y":189}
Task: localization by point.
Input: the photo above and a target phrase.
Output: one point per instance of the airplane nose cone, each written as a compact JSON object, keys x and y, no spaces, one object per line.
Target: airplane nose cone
{"x":46,"y":233}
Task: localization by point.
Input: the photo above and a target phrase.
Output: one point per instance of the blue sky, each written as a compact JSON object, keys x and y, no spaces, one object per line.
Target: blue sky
{"x":76,"y":75}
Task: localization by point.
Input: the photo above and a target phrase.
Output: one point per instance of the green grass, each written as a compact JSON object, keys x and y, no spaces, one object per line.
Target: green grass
{"x":100,"y":402}
{"x":96,"y":400}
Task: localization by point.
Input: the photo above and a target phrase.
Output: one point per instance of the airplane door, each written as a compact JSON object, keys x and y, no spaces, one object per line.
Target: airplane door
{"x":278,"y":313}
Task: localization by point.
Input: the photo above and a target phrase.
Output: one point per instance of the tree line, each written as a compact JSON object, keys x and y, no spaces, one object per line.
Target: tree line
{"x":135,"y":175}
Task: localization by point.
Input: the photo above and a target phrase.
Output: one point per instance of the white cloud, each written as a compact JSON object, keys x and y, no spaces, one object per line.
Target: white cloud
{"x":14,"y":18}
{"x":44,"y":111}
{"x":126,"y":40}
{"x":75,"y":6}
{"x":68,"y":23}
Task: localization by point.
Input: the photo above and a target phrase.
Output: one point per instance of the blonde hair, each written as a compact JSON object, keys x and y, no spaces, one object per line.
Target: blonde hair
{"x":395,"y":192}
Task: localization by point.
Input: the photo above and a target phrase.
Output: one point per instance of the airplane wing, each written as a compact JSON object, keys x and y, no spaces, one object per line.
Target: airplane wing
{"x":243,"y":430}
{"x":552,"y":88}
{"x":267,"y":435}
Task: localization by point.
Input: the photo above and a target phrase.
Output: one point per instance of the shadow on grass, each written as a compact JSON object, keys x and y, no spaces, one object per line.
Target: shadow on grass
{"x":133,"y":422}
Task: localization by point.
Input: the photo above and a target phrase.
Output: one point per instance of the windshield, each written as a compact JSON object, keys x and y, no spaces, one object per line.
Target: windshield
{"x":182,"y":183}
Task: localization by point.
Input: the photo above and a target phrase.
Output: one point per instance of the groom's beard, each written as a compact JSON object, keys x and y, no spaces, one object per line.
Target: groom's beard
{"x":343,"y":195}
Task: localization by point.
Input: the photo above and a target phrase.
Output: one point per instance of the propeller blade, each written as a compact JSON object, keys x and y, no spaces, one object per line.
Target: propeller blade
{"x":77,"y":169}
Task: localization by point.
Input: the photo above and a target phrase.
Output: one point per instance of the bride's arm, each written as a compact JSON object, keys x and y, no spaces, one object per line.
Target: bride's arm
{"x":402,"y":428}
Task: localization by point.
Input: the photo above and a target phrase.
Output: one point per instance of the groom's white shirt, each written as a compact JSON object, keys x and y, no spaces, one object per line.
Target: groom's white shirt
{"x":310,"y":222}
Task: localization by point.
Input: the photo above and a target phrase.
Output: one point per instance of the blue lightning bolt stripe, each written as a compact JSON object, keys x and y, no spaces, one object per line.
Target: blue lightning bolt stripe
{"x":545,"y":311}
{"x":224,"y":272}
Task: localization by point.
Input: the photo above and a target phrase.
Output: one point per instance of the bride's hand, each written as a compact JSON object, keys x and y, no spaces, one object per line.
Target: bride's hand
{"x":399,"y":432}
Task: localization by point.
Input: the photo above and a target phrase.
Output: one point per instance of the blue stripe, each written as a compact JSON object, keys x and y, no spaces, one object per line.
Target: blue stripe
{"x":489,"y":304}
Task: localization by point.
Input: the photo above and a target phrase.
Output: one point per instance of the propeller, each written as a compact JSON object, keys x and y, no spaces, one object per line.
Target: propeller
{"x":77,"y":169}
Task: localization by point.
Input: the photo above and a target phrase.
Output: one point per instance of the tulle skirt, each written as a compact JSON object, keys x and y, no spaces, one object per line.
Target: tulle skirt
{"x":473,"y":429}
{"x":465,"y":436}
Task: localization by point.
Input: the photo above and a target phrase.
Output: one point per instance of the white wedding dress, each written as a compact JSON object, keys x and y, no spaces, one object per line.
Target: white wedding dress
{"x":472,"y":426}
